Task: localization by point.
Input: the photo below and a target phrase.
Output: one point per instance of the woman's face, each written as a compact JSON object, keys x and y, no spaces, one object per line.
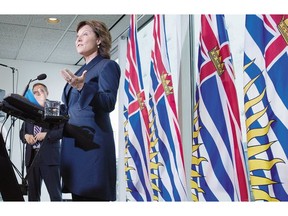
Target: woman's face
{"x":86,"y":41}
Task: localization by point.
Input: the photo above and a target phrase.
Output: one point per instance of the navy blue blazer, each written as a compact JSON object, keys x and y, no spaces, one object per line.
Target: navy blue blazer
{"x":88,"y":162}
{"x":49,"y":153}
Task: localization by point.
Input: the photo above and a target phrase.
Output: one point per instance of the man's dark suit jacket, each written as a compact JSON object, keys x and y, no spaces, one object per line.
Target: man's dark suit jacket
{"x":49,"y":153}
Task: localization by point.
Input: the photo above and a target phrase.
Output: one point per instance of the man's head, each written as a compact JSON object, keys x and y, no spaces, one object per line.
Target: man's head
{"x":40,"y":92}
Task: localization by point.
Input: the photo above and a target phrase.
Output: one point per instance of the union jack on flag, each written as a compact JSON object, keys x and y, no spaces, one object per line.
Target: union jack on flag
{"x":136,"y":127}
{"x":266,"y":105}
{"x":218,"y":171}
{"x":166,"y":154}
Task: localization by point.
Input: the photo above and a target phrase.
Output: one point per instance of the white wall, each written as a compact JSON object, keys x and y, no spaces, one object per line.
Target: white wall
{"x":30,"y":70}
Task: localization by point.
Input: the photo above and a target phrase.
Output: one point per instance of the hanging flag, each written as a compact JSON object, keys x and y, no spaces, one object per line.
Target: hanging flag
{"x":166,"y":152}
{"x":30,"y":96}
{"x":136,"y":127}
{"x":266,"y":105}
{"x":218,"y":171}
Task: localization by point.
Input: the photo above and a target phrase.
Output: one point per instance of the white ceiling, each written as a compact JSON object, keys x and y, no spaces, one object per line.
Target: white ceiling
{"x":31,"y":38}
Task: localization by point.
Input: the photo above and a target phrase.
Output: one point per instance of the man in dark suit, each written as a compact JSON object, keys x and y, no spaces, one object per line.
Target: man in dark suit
{"x":42,"y":157}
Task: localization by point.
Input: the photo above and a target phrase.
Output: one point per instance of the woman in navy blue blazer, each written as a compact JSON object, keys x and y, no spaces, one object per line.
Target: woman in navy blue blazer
{"x":88,"y":161}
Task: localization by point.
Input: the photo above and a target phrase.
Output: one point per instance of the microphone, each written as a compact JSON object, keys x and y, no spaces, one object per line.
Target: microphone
{"x":39,"y":77}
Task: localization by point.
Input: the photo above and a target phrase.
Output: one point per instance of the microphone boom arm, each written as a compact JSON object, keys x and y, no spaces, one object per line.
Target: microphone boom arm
{"x":26,"y":89}
{"x":40,"y":77}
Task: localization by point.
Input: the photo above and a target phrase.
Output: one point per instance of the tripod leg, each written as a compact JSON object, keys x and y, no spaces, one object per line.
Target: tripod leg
{"x":9,"y":187}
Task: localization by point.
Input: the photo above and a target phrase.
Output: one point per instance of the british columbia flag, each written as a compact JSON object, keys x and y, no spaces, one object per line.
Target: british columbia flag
{"x":166,"y":152}
{"x":266,"y":105}
{"x":218,"y":171}
{"x":136,"y":127}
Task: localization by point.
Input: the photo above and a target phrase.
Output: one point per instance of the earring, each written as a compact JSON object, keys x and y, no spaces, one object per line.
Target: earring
{"x":98,"y":46}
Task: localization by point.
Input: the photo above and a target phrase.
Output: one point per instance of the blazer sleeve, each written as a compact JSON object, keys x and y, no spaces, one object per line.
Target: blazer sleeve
{"x":26,"y":128}
{"x":101,"y":91}
{"x":22,"y":133}
{"x":55,"y":134}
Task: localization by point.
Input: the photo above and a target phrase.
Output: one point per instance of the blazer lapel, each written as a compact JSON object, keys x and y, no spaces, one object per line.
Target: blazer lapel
{"x":91,"y":64}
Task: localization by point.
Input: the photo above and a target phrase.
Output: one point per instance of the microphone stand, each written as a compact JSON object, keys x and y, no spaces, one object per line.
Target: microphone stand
{"x":23,"y":185}
{"x":13,"y":79}
{"x":40,"y":77}
{"x":13,"y":119}
{"x":27,"y":87}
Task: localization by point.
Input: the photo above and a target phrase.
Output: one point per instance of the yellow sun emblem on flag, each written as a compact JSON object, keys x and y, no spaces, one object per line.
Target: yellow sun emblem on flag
{"x":254,"y":162}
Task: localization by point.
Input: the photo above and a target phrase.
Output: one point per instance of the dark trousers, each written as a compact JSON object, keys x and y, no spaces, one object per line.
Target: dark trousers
{"x":82,"y":198}
{"x":51,"y":176}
